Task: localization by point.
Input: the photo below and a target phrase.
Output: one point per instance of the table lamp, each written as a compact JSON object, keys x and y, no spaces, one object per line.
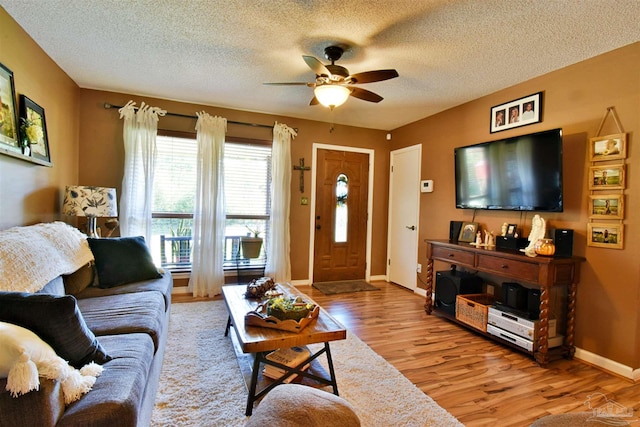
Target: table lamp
{"x":92,"y":202}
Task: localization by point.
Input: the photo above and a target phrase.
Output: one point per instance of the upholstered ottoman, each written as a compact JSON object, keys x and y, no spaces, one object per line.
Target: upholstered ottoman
{"x":294,"y":405}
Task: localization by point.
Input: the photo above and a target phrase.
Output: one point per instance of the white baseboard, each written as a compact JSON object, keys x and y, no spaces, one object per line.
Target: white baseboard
{"x":607,"y":364}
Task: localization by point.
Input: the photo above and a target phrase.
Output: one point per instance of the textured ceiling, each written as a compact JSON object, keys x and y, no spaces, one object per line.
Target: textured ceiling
{"x":220,"y":52}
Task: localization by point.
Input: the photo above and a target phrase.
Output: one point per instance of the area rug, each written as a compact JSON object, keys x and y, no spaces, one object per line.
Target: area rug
{"x":344,"y":287}
{"x":201,"y":383}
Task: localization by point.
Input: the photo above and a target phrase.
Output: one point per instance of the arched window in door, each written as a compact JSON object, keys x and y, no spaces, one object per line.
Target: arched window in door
{"x":342,"y":217}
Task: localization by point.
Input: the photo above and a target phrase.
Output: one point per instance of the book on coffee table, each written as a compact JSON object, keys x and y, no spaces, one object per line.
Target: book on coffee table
{"x":290,"y":357}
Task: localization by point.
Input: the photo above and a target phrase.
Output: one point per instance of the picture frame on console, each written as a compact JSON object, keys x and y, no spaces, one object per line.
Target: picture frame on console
{"x":608,"y":147}
{"x":468,"y":232}
{"x":511,"y":230}
{"x":605,"y":235}
{"x":606,"y":206}
{"x":519,"y":112}
{"x":9,"y":140}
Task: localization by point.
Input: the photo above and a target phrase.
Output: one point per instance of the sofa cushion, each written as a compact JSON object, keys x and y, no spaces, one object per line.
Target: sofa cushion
{"x":117,"y":393}
{"x":79,"y":280}
{"x":57,"y":321}
{"x":20,"y":412}
{"x":125,"y":314}
{"x":122,"y":260}
{"x":163,"y":285}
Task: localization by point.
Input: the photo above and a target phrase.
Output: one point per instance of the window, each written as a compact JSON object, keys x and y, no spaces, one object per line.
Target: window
{"x":247,"y":167}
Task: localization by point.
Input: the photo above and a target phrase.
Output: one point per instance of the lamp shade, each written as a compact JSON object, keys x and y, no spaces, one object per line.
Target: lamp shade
{"x":90,"y":201}
{"x":331,"y":95}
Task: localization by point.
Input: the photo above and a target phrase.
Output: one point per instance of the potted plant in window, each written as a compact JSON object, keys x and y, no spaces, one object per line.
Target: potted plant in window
{"x":251,"y":243}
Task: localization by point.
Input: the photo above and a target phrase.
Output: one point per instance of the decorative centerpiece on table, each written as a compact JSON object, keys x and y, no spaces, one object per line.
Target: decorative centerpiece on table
{"x":285,"y":308}
{"x":278,"y":309}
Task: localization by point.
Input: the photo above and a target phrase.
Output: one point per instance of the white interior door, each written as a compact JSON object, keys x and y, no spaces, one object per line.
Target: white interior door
{"x":404,"y":213}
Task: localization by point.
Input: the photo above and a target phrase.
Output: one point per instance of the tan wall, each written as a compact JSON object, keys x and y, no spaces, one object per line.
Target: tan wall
{"x":575,"y":99}
{"x":102,"y":154}
{"x":30,"y":193}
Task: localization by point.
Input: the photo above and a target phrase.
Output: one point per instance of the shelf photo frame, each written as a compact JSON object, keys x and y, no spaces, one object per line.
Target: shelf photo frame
{"x":608,"y":147}
{"x":610,"y":177}
{"x":33,"y":130}
{"x":606,"y":206}
{"x":468,"y":232}
{"x":9,"y":139}
{"x":519,"y":112}
{"x":605,"y":235}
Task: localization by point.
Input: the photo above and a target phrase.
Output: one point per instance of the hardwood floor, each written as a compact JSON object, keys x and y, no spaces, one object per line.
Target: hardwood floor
{"x":477,"y":380}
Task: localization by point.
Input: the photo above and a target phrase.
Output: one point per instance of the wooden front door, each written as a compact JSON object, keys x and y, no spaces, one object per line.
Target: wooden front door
{"x":340,"y":244}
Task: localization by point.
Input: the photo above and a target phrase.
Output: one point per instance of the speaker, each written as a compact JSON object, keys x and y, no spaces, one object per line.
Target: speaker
{"x":533,"y":303}
{"x":451,"y":283}
{"x":514,"y":295}
{"x":511,"y":243}
{"x":454,"y":230}
{"x":563,"y":239}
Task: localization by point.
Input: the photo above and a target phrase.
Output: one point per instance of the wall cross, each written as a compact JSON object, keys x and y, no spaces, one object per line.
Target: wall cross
{"x":302,"y":168}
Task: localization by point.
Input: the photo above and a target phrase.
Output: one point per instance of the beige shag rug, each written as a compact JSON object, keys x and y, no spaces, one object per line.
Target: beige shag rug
{"x":201,"y":383}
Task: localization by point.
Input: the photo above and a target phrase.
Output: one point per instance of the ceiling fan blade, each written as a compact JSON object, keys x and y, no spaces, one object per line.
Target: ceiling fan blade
{"x":373,"y":76}
{"x":364,"y":94}
{"x":290,"y":84}
{"x":314,"y":101}
{"x":317,"y":66}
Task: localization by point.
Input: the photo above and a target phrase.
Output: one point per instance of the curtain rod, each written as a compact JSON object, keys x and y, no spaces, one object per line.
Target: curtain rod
{"x":257,"y":125}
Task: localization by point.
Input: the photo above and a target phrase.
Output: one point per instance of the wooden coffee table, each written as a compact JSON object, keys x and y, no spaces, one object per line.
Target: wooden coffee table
{"x":257,"y":342}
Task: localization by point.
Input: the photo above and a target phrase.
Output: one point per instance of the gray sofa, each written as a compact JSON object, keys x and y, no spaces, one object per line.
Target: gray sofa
{"x":121,"y":324}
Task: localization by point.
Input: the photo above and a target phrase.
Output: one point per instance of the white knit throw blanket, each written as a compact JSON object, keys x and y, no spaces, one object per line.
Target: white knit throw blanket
{"x":32,"y":256}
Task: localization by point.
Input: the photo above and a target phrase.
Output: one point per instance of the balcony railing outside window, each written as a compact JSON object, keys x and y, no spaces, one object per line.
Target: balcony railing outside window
{"x":172,"y":244}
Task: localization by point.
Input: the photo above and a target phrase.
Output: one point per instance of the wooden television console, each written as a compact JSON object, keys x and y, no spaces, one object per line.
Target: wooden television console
{"x":541,"y":271}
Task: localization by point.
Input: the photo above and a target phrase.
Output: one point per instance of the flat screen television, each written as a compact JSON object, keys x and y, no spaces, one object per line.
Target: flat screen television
{"x":523,"y":173}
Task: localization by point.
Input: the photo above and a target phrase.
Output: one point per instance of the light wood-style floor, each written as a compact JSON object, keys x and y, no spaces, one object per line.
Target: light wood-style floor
{"x":477,"y":380}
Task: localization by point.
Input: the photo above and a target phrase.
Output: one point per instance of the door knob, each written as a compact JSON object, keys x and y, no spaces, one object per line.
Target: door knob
{"x":413,"y":227}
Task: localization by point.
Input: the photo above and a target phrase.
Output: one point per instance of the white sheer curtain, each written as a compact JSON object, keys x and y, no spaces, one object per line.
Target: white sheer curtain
{"x":140,"y":131}
{"x":278,"y":259}
{"x":207,"y":272}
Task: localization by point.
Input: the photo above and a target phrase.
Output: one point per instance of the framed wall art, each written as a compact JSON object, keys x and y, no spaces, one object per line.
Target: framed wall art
{"x":605,"y":235}
{"x":8,"y":115}
{"x":468,"y":232}
{"x":606,"y":177}
{"x":609,"y":147}
{"x":33,"y":130}
{"x":519,"y":112}
{"x":606,"y":206}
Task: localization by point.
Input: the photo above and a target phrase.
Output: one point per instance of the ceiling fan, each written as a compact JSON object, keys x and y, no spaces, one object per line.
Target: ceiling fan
{"x":334,"y":84}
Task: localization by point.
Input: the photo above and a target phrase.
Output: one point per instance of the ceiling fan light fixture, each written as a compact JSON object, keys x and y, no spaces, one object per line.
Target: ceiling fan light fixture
{"x":331,"y":95}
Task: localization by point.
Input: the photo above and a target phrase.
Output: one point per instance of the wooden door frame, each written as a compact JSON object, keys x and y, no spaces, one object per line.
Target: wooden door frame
{"x":312,"y":213}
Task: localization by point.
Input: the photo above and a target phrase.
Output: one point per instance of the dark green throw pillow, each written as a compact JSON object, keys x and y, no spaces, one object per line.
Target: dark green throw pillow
{"x":57,"y":321}
{"x":122,"y":260}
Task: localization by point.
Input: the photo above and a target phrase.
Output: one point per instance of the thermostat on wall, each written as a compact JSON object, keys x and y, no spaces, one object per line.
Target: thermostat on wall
{"x":426,"y":186}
